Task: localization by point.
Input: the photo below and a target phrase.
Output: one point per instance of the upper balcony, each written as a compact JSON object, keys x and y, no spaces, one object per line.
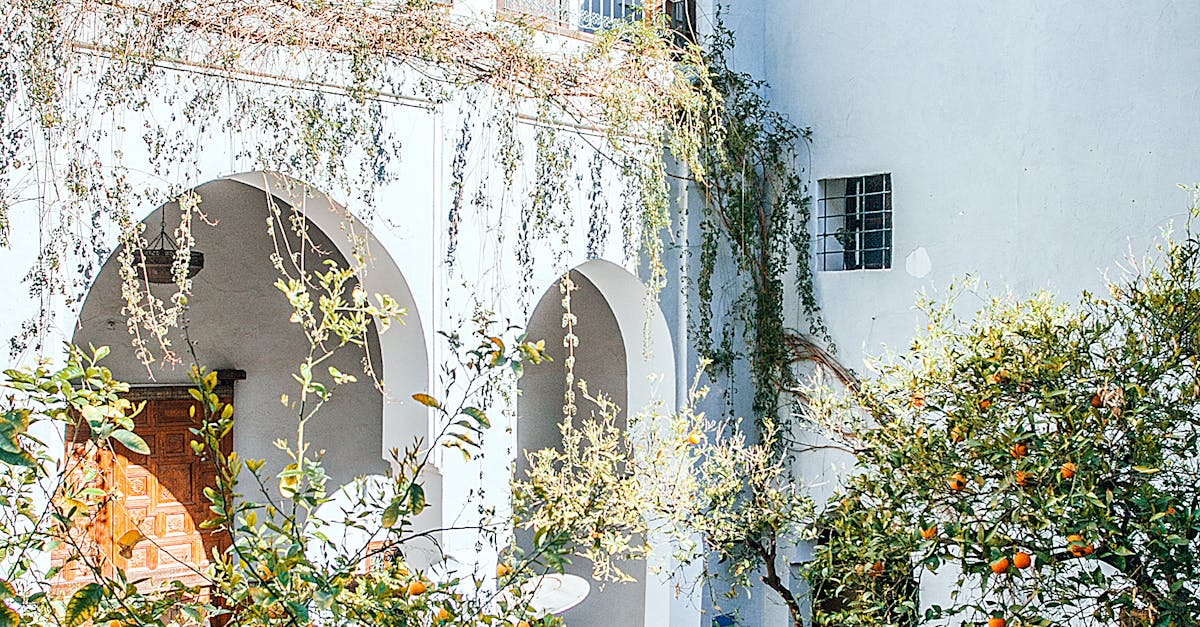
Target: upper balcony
{"x":589,"y":16}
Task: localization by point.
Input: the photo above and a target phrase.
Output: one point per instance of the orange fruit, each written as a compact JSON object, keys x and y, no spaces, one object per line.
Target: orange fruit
{"x":956,"y":435}
{"x":996,"y":622}
{"x":1000,"y":566}
{"x":114,"y":623}
{"x":522,"y":623}
{"x":957,"y":482}
{"x":1170,"y":510}
{"x":918,"y":399}
{"x":1067,"y":471}
{"x":443,"y":614}
{"x":415,"y":588}
{"x":1096,"y":400}
{"x":695,"y":438}
{"x":1021,"y":559}
{"x":929,"y":532}
{"x":984,"y":404}
{"x":876,"y":569}
{"x":1077,"y":547}
{"x":1023,"y":478}
{"x":1018,"y":450}
{"x":502,"y":570}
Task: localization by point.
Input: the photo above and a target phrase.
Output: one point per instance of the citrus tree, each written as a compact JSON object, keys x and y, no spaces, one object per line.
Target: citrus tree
{"x":1041,"y":456}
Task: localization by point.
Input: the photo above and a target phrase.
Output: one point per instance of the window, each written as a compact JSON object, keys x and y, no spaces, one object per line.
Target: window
{"x":589,"y":16}
{"x":854,"y":223}
{"x":583,"y":15}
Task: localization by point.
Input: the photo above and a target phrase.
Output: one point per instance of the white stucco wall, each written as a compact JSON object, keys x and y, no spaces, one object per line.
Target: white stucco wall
{"x":235,"y":323}
{"x":1028,"y":143}
{"x":1031,"y":144}
{"x":409,"y":237}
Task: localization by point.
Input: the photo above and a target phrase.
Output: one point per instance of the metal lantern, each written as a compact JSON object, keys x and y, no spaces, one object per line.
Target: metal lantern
{"x":158,"y":256}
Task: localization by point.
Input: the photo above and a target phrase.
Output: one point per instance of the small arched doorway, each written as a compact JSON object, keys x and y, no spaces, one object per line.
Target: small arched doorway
{"x":239,"y":323}
{"x":625,"y":352}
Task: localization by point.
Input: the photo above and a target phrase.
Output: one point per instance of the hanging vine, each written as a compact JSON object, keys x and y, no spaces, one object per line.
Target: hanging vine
{"x":756,"y":218}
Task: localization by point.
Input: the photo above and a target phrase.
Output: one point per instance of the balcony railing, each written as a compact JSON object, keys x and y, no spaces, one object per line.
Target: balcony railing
{"x":589,"y":16}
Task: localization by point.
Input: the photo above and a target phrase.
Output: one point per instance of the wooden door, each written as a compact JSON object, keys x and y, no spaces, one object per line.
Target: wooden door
{"x":160,"y":494}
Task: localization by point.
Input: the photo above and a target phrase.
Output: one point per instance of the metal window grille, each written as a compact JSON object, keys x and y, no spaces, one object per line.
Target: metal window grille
{"x":589,"y":16}
{"x":597,"y":15}
{"x":854,"y":223}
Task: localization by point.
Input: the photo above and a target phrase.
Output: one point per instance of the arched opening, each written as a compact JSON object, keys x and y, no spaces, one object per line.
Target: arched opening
{"x":238,"y":321}
{"x":624,"y":352}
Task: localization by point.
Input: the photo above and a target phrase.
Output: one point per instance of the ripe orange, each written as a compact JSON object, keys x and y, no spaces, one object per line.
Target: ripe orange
{"x":957,"y":482}
{"x":415,"y":588}
{"x":695,"y":438}
{"x":1000,"y":566}
{"x":1078,"y":547}
{"x":1170,"y":510}
{"x":114,"y":623}
{"x":929,"y":532}
{"x":522,"y":623}
{"x":876,"y":569}
{"x":996,"y":622}
{"x":502,"y":570}
{"x":984,"y":404}
{"x":1023,"y":478}
{"x":918,"y":399}
{"x":1021,"y":559}
{"x":1067,"y":471}
{"x":1018,"y":450}
{"x":443,"y":614}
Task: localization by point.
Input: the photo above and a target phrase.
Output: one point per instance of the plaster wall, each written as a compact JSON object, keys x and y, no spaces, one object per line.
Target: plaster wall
{"x":238,"y":321}
{"x":1031,"y":145}
{"x":600,"y":361}
{"x":410,"y":236}
{"x":1028,"y":144}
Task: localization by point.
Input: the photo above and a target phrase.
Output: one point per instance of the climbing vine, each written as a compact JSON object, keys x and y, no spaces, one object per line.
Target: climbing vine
{"x":756,"y":219}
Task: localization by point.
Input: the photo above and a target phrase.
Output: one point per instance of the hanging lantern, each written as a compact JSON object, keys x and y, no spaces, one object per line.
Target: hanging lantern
{"x":158,"y":256}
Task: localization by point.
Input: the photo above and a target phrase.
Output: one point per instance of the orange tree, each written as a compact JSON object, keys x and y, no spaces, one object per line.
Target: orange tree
{"x":1042,"y":454}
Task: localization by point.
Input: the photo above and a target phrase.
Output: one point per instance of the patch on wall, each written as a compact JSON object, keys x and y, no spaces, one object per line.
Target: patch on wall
{"x":917,"y":263}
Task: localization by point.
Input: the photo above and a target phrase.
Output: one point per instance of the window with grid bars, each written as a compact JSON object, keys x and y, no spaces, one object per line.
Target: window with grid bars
{"x":590,"y":16}
{"x":854,"y":223}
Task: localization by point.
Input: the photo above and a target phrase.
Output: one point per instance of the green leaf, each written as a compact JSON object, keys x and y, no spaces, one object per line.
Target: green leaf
{"x":8,"y":616}
{"x":478,"y":415}
{"x":1145,"y":470}
{"x":132,"y":441}
{"x":17,"y":459}
{"x":83,"y":604}
{"x":416,"y":498}
{"x":391,"y":514}
{"x":299,"y":610}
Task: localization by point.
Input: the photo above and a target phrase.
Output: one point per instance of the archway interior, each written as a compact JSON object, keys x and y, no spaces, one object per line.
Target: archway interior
{"x":600,"y":360}
{"x":237,"y":319}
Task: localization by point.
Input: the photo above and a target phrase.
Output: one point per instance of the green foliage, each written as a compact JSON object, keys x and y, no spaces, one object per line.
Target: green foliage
{"x":278,"y":568}
{"x":1067,"y":433}
{"x":756,"y":218}
{"x":700,"y":487}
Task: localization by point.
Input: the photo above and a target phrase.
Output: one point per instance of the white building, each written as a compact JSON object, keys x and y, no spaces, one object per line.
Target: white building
{"x":1027,"y":144}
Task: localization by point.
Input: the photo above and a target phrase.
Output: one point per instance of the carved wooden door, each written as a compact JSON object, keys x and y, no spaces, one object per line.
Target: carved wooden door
{"x":161,"y":495}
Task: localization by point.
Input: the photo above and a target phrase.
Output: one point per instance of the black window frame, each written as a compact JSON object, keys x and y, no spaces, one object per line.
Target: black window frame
{"x":854,"y":223}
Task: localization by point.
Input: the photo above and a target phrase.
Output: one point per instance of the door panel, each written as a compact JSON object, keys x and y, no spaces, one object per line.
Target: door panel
{"x":161,"y":495}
